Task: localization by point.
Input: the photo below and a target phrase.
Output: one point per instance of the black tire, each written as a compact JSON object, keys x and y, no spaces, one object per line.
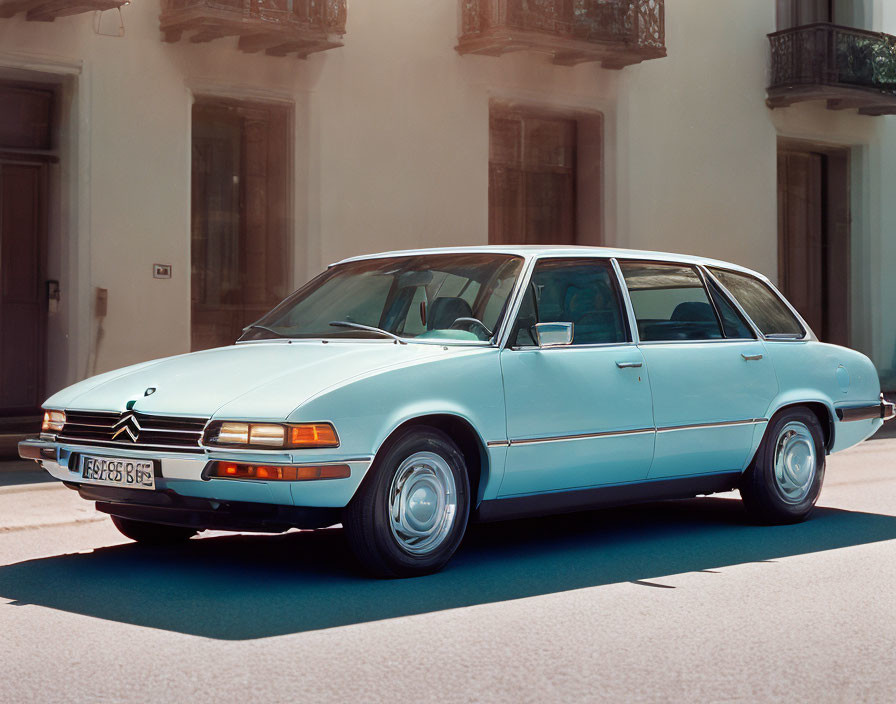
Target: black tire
{"x":765,"y":499}
{"x":152,"y":533}
{"x":366,"y":519}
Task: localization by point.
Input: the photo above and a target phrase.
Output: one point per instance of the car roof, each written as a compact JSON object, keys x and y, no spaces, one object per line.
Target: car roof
{"x":536,"y":251}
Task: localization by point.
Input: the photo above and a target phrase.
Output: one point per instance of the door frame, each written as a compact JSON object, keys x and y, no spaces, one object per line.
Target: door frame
{"x":40,"y":162}
{"x":836,"y":234}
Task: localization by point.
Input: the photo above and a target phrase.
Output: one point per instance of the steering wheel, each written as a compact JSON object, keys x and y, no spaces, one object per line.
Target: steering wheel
{"x":466,"y":323}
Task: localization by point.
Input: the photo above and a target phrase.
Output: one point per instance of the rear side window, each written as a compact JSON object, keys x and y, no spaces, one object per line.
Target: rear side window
{"x":768,"y":311}
{"x":670,"y":302}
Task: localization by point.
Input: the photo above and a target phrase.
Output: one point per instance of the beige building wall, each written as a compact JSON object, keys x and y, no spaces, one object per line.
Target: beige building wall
{"x":391,"y":151}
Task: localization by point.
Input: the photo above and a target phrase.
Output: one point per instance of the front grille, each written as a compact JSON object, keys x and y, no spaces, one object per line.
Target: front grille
{"x":133,"y":430}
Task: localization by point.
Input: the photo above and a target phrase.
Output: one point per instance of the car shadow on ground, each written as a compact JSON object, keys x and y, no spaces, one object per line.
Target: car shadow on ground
{"x":254,"y":586}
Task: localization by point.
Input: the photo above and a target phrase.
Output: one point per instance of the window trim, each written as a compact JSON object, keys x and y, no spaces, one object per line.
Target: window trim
{"x":631,"y":333}
{"x":807,"y":331}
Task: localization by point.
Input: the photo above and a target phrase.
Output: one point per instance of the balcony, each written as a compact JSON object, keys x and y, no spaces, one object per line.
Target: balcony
{"x":49,"y":10}
{"x":849,"y":68}
{"x":616,"y":33}
{"x":277,"y":27}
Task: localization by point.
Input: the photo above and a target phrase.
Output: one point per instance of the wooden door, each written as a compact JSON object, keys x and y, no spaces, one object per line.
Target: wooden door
{"x":532,"y":178}
{"x":813,"y":237}
{"x":23,"y":309}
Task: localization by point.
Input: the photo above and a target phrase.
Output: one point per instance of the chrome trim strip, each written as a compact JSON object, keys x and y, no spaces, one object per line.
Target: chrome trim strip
{"x":721,"y":424}
{"x":590,"y":345}
{"x":583,"y":436}
{"x":497,"y":443}
{"x":130,"y":445}
{"x":636,"y":431}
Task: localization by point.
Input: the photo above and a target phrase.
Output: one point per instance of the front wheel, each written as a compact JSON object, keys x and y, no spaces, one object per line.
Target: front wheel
{"x":152,"y":533}
{"x":784,"y":480}
{"x":410,"y":513}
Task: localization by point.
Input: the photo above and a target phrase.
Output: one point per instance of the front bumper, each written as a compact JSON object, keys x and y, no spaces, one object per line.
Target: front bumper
{"x":883,"y":410}
{"x":183,"y":474}
{"x":170,"y":508}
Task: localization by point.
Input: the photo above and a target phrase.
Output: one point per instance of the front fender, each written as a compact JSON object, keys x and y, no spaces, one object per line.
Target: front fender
{"x":465,"y":383}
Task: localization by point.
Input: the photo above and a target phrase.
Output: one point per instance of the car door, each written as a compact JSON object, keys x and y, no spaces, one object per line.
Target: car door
{"x":578,"y":415}
{"x":710,"y":376}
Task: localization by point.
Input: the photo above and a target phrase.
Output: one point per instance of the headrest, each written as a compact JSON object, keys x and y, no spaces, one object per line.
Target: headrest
{"x":693,"y":312}
{"x":445,"y":310}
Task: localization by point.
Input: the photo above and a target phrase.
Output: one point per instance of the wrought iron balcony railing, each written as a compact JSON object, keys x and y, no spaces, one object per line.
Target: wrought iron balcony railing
{"x":615,"y":32}
{"x":49,"y":10}
{"x":277,"y":27}
{"x":849,"y":68}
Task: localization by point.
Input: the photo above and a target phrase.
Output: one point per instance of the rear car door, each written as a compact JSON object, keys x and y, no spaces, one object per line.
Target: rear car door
{"x":710,"y":376}
{"x":579,"y":415}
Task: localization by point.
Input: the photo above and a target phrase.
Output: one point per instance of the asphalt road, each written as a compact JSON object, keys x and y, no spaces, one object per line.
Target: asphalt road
{"x":677,"y":601}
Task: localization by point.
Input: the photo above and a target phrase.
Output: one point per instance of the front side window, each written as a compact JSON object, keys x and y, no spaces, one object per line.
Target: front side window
{"x":578,"y":291}
{"x":758,"y":300}
{"x":670,"y":302}
{"x":440,"y":296}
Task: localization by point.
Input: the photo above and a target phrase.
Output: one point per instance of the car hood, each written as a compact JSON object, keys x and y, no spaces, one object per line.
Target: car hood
{"x":261,"y":380}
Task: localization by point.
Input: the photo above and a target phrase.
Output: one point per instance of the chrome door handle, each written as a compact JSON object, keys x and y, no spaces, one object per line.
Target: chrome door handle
{"x":750,"y":357}
{"x":626,"y":365}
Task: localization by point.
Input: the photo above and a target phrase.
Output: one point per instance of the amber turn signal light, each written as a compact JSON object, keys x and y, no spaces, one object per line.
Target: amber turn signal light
{"x":313,"y":435}
{"x":234,"y":470}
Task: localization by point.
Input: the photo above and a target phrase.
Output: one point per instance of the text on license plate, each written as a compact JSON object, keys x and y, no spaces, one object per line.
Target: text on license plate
{"x":112,"y":471}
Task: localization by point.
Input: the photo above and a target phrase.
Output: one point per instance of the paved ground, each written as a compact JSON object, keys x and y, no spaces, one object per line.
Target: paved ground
{"x":675,"y":601}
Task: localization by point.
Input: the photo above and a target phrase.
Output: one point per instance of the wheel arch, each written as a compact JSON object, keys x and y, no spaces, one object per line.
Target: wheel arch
{"x":462,"y":432}
{"x":823,"y":410}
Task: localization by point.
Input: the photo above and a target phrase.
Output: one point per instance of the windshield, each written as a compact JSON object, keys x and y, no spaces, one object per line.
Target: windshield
{"x":460,"y":297}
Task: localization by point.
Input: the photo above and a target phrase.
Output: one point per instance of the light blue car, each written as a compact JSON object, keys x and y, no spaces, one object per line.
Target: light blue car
{"x":401,"y":394}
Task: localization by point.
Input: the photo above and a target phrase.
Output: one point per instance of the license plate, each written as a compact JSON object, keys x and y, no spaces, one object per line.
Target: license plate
{"x":114,"y":471}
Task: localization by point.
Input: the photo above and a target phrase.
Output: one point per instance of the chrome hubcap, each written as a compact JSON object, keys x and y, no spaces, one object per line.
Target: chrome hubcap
{"x":422,"y":503}
{"x":795,"y":462}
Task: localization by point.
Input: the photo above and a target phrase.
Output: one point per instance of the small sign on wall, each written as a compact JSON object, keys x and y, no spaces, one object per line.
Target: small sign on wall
{"x":161,"y":271}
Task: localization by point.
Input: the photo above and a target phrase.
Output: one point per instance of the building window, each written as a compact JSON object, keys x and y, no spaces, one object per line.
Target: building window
{"x":799,"y":13}
{"x":240,"y":176}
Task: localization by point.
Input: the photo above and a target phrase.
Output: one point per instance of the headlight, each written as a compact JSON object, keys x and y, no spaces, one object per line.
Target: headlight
{"x":268,"y":436}
{"x":53,"y":421}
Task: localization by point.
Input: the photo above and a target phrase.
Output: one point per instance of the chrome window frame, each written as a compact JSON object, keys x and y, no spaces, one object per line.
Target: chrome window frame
{"x":527,"y":277}
{"x":808,"y":334}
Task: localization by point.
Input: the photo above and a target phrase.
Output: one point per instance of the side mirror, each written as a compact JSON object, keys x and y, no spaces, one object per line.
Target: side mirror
{"x":553,"y":334}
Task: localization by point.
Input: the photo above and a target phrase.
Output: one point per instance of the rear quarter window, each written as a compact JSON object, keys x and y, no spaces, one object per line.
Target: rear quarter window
{"x":761,"y":303}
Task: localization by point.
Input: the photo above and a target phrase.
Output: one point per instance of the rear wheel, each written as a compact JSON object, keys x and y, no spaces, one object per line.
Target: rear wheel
{"x":152,"y":533}
{"x":784,"y":480}
{"x":410,"y":513}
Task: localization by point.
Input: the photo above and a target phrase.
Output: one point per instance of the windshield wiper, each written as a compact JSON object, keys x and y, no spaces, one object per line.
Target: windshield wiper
{"x":263,"y":327}
{"x":368,"y":328}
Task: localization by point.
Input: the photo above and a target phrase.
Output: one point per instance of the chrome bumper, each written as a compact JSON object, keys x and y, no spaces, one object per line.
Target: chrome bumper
{"x":887,"y":409}
{"x":884,"y":410}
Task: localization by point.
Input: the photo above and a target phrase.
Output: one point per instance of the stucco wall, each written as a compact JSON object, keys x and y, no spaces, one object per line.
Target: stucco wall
{"x":391,"y":150}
